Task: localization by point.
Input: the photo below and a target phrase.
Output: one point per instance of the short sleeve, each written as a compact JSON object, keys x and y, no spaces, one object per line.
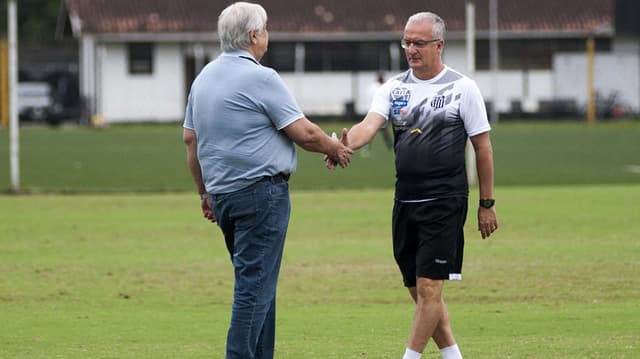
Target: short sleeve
{"x":278,"y":102}
{"x":473,"y":110}
{"x":381,"y":103}
{"x":188,"y":115}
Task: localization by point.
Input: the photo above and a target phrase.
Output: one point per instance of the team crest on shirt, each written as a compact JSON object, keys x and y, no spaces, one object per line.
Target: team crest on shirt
{"x":438,"y":102}
{"x":400,"y":100}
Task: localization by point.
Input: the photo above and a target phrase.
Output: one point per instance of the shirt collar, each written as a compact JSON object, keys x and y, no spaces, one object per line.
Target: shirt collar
{"x":431,"y":80}
{"x":241,"y":53}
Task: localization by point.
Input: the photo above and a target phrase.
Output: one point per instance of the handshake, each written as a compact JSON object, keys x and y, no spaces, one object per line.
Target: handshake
{"x":340,"y":153}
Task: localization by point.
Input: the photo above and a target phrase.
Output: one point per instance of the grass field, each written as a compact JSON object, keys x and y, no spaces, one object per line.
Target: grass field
{"x":128,"y":269}
{"x":142,"y":276}
{"x":152,"y":158}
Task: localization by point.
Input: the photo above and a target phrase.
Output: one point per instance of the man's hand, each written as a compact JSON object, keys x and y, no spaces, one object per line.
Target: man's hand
{"x":487,"y":221}
{"x":207,"y":211}
{"x":330,"y":162}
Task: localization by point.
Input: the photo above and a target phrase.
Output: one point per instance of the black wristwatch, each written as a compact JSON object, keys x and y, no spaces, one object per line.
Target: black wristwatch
{"x":487,"y":202}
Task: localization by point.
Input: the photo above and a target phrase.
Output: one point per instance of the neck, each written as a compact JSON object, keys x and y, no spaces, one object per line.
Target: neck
{"x":254,"y":52}
{"x":428,"y":74}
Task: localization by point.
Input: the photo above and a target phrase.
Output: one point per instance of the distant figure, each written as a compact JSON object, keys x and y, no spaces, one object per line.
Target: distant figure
{"x":241,"y":127}
{"x":384,"y":130}
{"x":433,"y":110}
{"x":373,"y":88}
{"x":386,"y":136}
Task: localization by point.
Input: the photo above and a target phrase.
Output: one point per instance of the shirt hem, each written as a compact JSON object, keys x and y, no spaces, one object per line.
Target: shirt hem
{"x":480,"y":131}
{"x":290,"y":121}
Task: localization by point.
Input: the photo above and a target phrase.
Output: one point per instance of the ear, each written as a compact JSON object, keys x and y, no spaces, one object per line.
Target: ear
{"x":252,"y":37}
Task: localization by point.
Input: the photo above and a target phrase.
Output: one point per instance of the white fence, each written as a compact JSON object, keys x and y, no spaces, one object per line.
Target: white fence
{"x":615,"y":74}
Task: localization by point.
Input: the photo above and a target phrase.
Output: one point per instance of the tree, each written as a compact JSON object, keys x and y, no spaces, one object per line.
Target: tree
{"x":36,"y":20}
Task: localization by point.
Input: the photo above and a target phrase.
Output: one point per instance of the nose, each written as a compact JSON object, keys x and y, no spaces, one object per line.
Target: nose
{"x":411,"y":49}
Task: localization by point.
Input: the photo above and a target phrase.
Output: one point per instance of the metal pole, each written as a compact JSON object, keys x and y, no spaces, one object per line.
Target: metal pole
{"x":471,"y":69}
{"x":394,"y":56}
{"x":591,"y":102}
{"x":493,"y":49}
{"x":471,"y":38}
{"x":13,"y":96}
{"x":4,"y":83}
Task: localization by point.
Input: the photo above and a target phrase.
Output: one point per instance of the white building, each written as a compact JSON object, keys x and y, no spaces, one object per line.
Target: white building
{"x":137,"y":58}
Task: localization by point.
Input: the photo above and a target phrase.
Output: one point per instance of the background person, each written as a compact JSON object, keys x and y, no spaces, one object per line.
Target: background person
{"x":384,"y":131}
{"x":433,"y":109}
{"x":240,"y":127}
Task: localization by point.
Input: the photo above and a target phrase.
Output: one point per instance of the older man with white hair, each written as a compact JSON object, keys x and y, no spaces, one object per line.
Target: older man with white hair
{"x":241,"y":126}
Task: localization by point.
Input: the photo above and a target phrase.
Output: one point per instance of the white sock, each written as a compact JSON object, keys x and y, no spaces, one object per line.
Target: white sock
{"x":451,"y":352}
{"x":410,"y":354}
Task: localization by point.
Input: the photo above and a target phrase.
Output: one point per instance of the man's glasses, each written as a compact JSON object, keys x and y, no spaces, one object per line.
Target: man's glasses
{"x":418,"y":44}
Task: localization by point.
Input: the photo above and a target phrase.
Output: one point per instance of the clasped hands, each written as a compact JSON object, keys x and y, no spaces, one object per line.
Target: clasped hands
{"x":342,"y":155}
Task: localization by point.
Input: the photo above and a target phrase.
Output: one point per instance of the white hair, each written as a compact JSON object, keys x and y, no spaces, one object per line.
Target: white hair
{"x":235,"y":23}
{"x":438,"y":28}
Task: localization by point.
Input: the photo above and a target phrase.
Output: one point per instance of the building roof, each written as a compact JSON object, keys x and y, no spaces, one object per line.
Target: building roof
{"x":337,"y":16}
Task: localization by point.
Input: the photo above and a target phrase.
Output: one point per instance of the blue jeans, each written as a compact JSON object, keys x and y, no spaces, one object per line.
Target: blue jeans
{"x":254,"y":222}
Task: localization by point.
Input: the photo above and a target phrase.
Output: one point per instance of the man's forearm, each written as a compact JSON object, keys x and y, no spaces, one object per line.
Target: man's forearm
{"x":363,"y":132}
{"x":484,"y":163}
{"x":313,"y":139}
{"x":196,"y":172}
{"x":191,"y":141}
{"x":360,"y":135}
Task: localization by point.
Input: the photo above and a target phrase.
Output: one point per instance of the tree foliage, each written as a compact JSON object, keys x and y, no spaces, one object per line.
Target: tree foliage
{"x":36,"y":20}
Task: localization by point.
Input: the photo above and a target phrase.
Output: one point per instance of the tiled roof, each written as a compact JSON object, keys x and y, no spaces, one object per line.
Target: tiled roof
{"x":338,"y":16}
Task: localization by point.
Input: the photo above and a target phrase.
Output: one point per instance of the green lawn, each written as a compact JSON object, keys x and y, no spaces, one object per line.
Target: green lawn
{"x":117,"y":271}
{"x":143,"y":276}
{"x":152,"y":158}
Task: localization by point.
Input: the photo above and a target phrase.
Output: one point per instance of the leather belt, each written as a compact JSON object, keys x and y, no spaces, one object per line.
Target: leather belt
{"x":277,"y":178}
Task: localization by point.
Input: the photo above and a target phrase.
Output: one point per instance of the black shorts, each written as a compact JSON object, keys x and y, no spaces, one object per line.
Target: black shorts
{"x":428,"y":238}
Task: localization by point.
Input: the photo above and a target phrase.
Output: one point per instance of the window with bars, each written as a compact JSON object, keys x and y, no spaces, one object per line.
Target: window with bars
{"x":140,"y":58}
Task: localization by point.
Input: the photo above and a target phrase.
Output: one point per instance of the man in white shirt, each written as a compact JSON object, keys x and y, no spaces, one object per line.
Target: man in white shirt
{"x":433,"y":110}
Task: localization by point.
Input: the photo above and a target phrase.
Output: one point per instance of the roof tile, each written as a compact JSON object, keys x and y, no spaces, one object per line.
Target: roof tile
{"x":117,"y":16}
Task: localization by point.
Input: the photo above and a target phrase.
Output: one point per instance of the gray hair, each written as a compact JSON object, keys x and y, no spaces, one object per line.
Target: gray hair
{"x":235,"y":23}
{"x":438,"y":28}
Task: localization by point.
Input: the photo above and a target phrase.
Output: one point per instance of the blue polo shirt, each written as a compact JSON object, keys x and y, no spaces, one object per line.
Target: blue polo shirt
{"x":237,"y":109}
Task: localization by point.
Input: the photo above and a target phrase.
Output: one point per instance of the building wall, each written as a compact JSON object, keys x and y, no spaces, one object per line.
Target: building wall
{"x":124,"y":97}
{"x":161,"y":96}
{"x":526,"y":87}
{"x":326,"y":93}
{"x":616,"y":74}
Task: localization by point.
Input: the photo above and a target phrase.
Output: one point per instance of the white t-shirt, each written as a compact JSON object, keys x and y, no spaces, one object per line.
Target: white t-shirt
{"x":431,"y":121}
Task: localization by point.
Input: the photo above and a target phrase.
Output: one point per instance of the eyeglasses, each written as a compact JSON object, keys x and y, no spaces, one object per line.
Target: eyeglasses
{"x":418,"y":44}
